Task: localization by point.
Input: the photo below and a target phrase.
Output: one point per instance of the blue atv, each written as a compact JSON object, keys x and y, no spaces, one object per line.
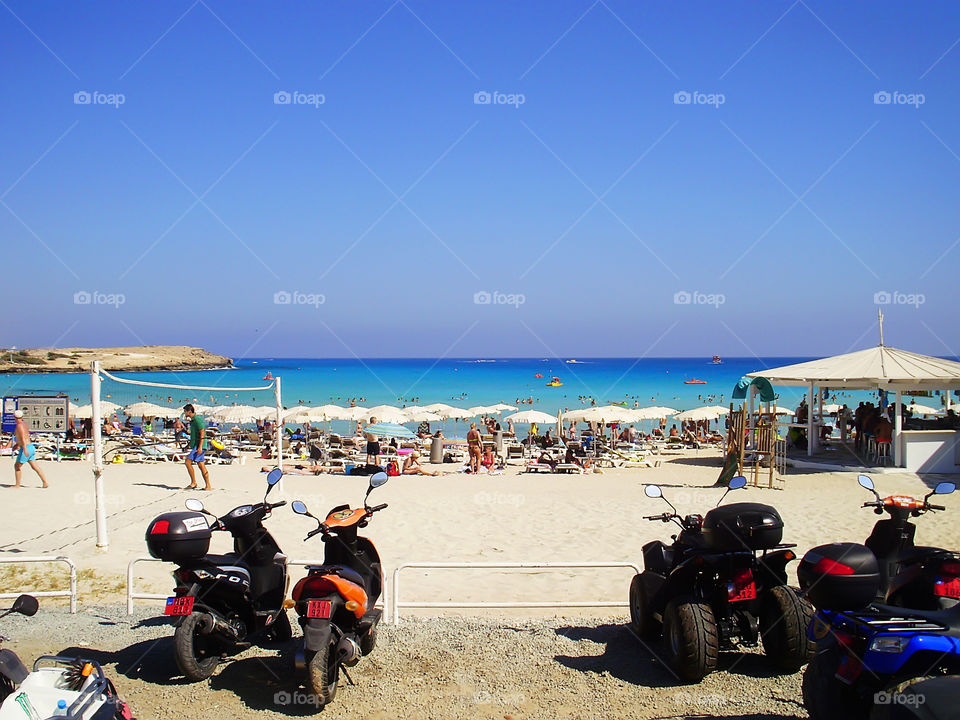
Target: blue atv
{"x":873,"y":658}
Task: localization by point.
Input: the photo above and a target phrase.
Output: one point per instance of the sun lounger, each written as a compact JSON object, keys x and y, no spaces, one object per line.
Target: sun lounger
{"x":535,"y":467}
{"x":569,"y":468}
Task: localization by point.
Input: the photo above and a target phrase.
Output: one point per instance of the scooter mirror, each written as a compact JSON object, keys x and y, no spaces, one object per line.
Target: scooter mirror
{"x":26,"y":605}
{"x":944,"y":488}
{"x":299,"y":507}
{"x":865,"y":482}
{"x":194,"y":504}
{"x":653,"y":491}
{"x":273,"y":477}
{"x":737,"y":482}
{"x":378,"y":479}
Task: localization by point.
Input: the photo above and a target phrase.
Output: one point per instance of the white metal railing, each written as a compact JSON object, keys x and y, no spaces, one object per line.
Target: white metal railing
{"x":397,"y":604}
{"x":132,"y":594}
{"x":71,"y":593}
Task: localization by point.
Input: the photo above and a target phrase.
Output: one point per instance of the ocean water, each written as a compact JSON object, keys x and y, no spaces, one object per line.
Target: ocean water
{"x":458,"y":382}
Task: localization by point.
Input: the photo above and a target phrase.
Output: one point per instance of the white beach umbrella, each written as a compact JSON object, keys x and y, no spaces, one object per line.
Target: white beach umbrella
{"x":527,"y":417}
{"x":654,"y":413}
{"x":702,"y":413}
{"x":452,"y":413}
{"x":438,"y":407}
{"x":781,"y":410}
{"x":481,"y":410}
{"x":82,"y":412}
{"x":235,"y":413}
{"x":831,"y":408}
{"x":308,"y":413}
{"x":502,"y":407}
{"x":147,"y":409}
{"x":354,"y":413}
{"x":387,"y":414}
{"x":420,"y":416}
{"x":918,"y":409}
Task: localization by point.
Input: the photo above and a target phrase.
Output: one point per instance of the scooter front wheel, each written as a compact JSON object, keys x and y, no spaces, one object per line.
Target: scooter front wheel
{"x":324,"y":672}
{"x":196,"y":653}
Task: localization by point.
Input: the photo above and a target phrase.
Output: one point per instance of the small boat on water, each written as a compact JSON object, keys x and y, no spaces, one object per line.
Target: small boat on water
{"x":694,"y":381}
{"x":717,"y":360}
{"x":555,"y":382}
{"x":268,"y":376}
{"x":538,"y":375}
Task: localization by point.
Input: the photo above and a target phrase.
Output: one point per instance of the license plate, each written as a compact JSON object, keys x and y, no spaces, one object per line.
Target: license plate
{"x":742,"y":587}
{"x":318,"y":609}
{"x":947,"y":587}
{"x":180,"y":605}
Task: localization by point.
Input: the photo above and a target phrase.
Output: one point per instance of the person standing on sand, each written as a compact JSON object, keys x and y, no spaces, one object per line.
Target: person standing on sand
{"x":474,"y":447}
{"x":373,"y":445}
{"x":28,"y":451}
{"x":197,"y":448}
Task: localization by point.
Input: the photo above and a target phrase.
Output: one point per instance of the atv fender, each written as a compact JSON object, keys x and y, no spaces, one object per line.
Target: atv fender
{"x":772,"y":567}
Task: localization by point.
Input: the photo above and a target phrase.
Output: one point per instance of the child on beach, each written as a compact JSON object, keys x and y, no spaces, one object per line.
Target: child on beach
{"x":27,"y":450}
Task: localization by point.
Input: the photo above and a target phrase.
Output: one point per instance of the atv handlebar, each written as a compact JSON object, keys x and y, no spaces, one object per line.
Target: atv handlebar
{"x":935,"y":507}
{"x":662,"y":517}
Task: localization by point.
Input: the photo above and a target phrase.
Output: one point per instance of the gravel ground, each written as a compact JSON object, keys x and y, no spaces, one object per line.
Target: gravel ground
{"x":450,"y":668}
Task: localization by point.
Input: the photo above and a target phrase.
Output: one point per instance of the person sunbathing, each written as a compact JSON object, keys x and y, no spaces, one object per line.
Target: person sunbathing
{"x":572,"y":459}
{"x":547,"y":459}
{"x":488,"y":460}
{"x":412,"y":466}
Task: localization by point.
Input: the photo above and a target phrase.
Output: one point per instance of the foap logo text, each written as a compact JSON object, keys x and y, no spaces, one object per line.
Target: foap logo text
{"x":495,"y":297}
{"x":296,"y":297}
{"x":295,"y":97}
{"x":482,"y":97}
{"x":895,"y":297}
{"x":95,"y":97}
{"x":686,"y":97}
{"x":895,"y":97}
{"x":85,"y":297}
{"x":695,"y":297}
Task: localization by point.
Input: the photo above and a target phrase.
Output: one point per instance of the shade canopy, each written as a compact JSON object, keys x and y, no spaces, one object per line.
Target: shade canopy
{"x":320,"y":413}
{"x":420,"y":415}
{"x":502,"y":407}
{"x":390,"y":430}
{"x":387,"y":414}
{"x":711,"y":412}
{"x":876,"y":367}
{"x":604,"y":413}
{"x":148,"y":409}
{"x":654,"y":413}
{"x":526,"y":417}
{"x":236,"y":413}
{"x":82,"y":412}
{"x":918,"y":409}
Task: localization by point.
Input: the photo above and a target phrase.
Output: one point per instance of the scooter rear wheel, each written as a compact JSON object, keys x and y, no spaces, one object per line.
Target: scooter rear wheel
{"x":324,"y":673}
{"x":196,"y":654}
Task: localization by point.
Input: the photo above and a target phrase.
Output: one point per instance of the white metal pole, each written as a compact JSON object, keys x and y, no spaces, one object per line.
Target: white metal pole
{"x":897,"y":428}
{"x":278,"y":426}
{"x":811,"y":440}
{"x":751,"y":423}
{"x":100,"y":507}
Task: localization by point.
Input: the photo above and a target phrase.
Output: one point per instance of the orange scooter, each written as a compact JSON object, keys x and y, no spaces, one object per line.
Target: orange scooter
{"x":335,"y":601}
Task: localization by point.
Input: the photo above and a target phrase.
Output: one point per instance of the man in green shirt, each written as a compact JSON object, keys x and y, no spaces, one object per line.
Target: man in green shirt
{"x":197,"y":449}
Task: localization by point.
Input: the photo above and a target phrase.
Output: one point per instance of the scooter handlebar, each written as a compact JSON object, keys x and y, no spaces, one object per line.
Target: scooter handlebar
{"x":930,"y":506}
{"x":273,"y":506}
{"x":377,"y":508}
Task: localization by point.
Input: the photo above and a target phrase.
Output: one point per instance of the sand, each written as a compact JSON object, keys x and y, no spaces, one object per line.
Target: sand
{"x":453,"y":518}
{"x":141,"y":357}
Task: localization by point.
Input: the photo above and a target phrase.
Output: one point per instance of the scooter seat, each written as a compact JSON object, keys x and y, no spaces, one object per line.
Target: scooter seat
{"x":344,"y":572}
{"x":222,"y":561}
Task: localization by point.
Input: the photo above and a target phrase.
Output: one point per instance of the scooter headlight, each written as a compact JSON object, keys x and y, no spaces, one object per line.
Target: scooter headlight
{"x":888,"y":644}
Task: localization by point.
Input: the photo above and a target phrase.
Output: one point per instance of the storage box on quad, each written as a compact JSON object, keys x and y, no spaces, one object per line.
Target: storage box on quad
{"x":839,"y":576}
{"x":178,"y":536}
{"x":742,"y":526}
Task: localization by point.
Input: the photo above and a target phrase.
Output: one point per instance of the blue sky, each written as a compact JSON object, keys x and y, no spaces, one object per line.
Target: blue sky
{"x":596,"y":211}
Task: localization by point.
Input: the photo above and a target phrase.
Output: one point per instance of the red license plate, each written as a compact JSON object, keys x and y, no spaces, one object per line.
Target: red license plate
{"x":318,"y":609}
{"x":947,"y":587}
{"x":180,"y":605}
{"x":742,"y":587}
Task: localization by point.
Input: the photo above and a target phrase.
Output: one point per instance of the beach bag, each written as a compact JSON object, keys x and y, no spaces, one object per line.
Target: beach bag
{"x":392,"y":469}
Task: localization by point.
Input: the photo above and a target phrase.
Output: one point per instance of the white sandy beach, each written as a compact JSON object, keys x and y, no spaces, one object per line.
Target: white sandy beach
{"x":456,"y":517}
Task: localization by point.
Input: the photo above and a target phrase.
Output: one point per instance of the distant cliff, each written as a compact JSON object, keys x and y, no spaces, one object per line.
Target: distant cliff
{"x":146,"y":357}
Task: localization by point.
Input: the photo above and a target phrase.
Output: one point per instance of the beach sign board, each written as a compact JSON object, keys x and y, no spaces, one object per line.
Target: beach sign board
{"x":41,"y":413}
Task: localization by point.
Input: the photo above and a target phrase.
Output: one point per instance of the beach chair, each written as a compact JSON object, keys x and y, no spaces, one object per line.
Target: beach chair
{"x":569,"y":469}
{"x":535,"y":467}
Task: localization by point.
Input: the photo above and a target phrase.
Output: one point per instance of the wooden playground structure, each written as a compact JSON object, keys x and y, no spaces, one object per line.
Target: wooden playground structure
{"x":756,"y":445}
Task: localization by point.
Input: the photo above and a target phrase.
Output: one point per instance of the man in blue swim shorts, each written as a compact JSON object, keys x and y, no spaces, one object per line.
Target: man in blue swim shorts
{"x":26,"y":450}
{"x":197,"y":454}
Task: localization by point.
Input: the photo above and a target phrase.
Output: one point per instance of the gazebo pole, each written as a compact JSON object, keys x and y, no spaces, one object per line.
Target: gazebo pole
{"x":897,"y":427}
{"x":752,"y":422}
{"x":810,"y":438}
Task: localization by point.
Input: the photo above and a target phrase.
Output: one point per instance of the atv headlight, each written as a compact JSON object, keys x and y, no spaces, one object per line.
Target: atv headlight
{"x":888,"y":644}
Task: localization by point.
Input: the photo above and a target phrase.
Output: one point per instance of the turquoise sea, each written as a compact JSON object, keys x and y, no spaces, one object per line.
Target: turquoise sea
{"x":459,"y":382}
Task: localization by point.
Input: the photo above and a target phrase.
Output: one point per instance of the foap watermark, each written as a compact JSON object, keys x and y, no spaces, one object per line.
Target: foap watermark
{"x":285,"y":698}
{"x":85,"y":498}
{"x":485,"y":497}
{"x":482,"y":97}
{"x":884,"y":297}
{"x":95,"y":97}
{"x":83,"y":297}
{"x":695,"y":297}
{"x":895,"y":698}
{"x":283,"y":97}
{"x":295,"y":297}
{"x":484,"y":297}
{"x":684,"y":97}
{"x":895,"y":97}
{"x":485,"y":697}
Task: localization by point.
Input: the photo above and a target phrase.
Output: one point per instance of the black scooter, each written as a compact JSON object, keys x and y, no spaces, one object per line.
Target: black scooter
{"x":335,"y":601}
{"x":911,"y":576}
{"x":12,"y":670}
{"x":222,"y":600}
{"x":723,"y":581}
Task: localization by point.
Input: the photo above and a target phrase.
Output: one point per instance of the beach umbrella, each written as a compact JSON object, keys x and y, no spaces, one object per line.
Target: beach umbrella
{"x":481,"y":410}
{"x":82,"y":412}
{"x":353,"y":413}
{"x":502,"y":407}
{"x":390,"y":430}
{"x":781,"y":410}
{"x":654,"y":413}
{"x":918,"y":409}
{"x":387,"y":414}
{"x":831,"y":408}
{"x":438,"y":408}
{"x":702,"y":413}
{"x":148,"y":409}
{"x":526,"y":417}
{"x":452,"y":413}
{"x":420,"y":416}
{"x":236,"y":413}
{"x":307,"y":413}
